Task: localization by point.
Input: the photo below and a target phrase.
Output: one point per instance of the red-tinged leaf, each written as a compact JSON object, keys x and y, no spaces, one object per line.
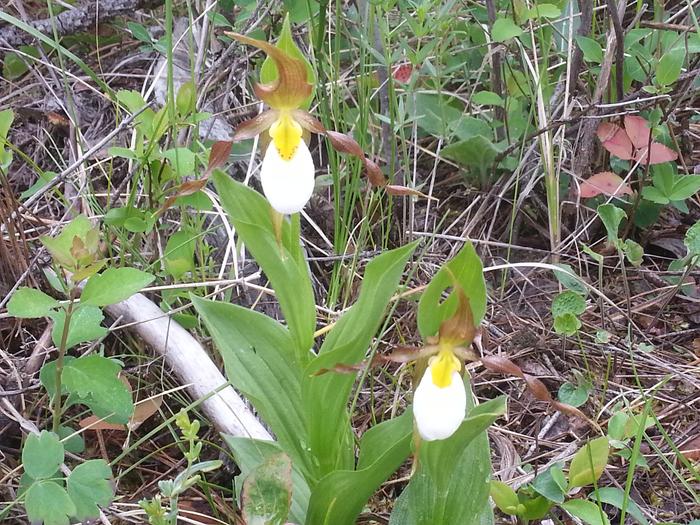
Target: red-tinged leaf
{"x":308,"y":121}
{"x":658,"y":154}
{"x":291,"y":87}
{"x":186,"y":188}
{"x":638,"y":131}
{"x":615,"y":140}
{"x":402,"y":73}
{"x":459,"y":329}
{"x":255,"y":126}
{"x":220,"y":151}
{"x":607,"y":183}
{"x":403,"y":191}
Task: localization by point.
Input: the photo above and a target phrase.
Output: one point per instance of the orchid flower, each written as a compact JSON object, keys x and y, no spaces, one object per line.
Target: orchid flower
{"x":287,"y":171}
{"x":440,"y":399}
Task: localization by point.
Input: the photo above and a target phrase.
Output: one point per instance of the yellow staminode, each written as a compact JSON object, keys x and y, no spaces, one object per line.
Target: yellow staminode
{"x":442,"y":367}
{"x":286,"y":134}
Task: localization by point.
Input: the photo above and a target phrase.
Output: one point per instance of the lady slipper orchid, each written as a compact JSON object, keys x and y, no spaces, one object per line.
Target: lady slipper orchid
{"x":287,"y":171}
{"x":440,"y":399}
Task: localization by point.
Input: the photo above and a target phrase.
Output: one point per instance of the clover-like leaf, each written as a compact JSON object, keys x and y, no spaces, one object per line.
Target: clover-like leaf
{"x":89,"y":485}
{"x":48,"y":502}
{"x":42,"y":455}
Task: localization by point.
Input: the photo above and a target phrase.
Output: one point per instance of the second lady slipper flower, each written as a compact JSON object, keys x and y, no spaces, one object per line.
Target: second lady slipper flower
{"x":440,"y":399}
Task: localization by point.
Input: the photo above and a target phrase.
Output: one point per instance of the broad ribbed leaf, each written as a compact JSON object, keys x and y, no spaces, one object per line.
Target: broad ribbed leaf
{"x":340,"y":496}
{"x":258,"y":354}
{"x":283,"y":263}
{"x":325,"y":396}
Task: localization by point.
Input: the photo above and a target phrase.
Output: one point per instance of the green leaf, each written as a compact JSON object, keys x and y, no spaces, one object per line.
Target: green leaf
{"x":60,"y":246}
{"x":47,"y":502}
{"x":574,"y":395}
{"x":339,"y":497}
{"x":477,"y":151}
{"x":633,"y":251}
{"x":504,"y":29}
{"x":684,"y":187}
{"x":544,"y":11}
{"x":7,"y":116}
{"x":551,"y":484}
{"x":325,"y":396}
{"x":182,"y":161}
{"x":616,"y":497}
{"x":568,"y":302}
{"x":267,"y":492}
{"x":569,"y":279}
{"x":692,"y":239}
{"x":260,"y":361}
{"x":589,"y":462}
{"x":505,"y":498}
{"x":592,"y":50}
{"x":467,"y":270}
{"x":653,"y":194}
{"x":587,"y":511}
{"x":435,"y":113}
{"x":669,"y":67}
{"x":139,"y":32}
{"x":284,"y":264}
{"x":84,"y":326}
{"x":179,"y":253}
{"x":89,"y":485}
{"x":611,"y":216}
{"x":268,"y":71}
{"x":30,"y":303}
{"x":42,"y":455}
{"x":44,"y":178}
{"x":567,"y":324}
{"x":114,"y":285}
{"x":488,"y":98}
{"x":95,"y":380}
{"x":124,"y":153}
{"x":74,"y":444}
{"x":250,"y":453}
{"x":186,"y":99}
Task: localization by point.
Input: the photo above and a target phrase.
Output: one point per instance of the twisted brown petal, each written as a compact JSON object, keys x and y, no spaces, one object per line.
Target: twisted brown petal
{"x":291,"y":88}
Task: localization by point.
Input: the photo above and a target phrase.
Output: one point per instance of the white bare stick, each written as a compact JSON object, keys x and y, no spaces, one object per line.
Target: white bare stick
{"x":183,"y":353}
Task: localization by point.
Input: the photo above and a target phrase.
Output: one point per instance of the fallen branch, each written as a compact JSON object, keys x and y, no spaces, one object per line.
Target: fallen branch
{"x":74,"y":20}
{"x":190,"y":362}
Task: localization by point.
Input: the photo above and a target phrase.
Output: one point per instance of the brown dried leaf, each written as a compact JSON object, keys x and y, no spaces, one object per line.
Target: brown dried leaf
{"x":186,"y":188}
{"x":504,"y":365}
{"x":405,"y":354}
